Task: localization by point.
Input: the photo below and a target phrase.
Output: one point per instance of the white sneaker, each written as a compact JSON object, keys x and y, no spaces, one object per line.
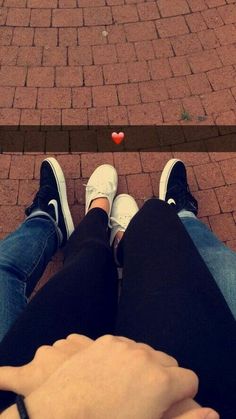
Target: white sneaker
{"x":101,"y":184}
{"x":123,"y":209}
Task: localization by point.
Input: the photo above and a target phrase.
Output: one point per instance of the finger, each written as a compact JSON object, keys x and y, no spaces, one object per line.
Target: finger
{"x":63,"y":346}
{"x":165,"y":359}
{"x":160,"y":357}
{"x":182,"y":384}
{"x":10,"y":379}
{"x":180,"y":408}
{"x":202,"y":413}
{"x":72,"y":344}
{"x":80,"y":339}
{"x":124,"y":339}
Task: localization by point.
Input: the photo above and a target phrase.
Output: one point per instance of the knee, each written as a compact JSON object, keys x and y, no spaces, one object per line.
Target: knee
{"x":154,"y":205}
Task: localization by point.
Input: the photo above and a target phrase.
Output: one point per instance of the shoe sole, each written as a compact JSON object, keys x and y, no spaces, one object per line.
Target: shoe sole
{"x":61,"y":187}
{"x":165,"y":178}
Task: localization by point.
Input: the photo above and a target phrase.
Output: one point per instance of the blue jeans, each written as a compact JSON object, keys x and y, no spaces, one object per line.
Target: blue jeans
{"x":25,"y":253}
{"x":220,"y":260}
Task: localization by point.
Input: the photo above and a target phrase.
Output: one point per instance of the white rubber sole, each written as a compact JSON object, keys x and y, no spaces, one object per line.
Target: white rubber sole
{"x":165,"y":178}
{"x":61,"y":186}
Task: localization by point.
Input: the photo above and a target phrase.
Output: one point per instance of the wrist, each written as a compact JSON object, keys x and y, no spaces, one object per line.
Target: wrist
{"x":46,"y":402}
{"x":36,"y":406}
{"x":10,"y":413}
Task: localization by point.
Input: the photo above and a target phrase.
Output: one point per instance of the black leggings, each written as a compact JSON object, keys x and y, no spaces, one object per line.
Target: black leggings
{"x":169,"y":300}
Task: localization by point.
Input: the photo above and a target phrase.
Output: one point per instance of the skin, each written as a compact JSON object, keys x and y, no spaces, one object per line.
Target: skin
{"x":81,"y":378}
{"x":103,"y":203}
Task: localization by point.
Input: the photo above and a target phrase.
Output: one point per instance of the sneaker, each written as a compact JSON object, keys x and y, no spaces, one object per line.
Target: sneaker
{"x":102,"y":184}
{"x":51,"y":199}
{"x":123,"y":209}
{"x":174,"y":187}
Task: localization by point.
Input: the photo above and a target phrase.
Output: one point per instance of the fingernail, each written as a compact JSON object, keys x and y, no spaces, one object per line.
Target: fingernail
{"x":212,"y":415}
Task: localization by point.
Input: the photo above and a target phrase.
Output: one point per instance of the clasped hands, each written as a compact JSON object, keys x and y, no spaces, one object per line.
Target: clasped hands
{"x":109,"y":378}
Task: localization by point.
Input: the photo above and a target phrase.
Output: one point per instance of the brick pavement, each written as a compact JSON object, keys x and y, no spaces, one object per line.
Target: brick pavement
{"x":119,"y":62}
{"x":120,"y":56}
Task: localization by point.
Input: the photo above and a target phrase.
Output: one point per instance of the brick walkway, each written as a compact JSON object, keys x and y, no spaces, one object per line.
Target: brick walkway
{"x":119,"y":62}
{"x":103,"y":61}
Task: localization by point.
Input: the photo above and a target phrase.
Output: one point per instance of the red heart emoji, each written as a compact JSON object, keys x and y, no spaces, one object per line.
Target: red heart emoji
{"x":117,"y":138}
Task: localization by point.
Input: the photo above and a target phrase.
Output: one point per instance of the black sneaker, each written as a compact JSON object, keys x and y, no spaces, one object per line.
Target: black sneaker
{"x":174,"y":187}
{"x":51,"y":198}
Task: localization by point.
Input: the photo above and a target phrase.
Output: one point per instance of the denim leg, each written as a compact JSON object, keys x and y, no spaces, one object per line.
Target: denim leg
{"x":220,"y":260}
{"x":24,"y":255}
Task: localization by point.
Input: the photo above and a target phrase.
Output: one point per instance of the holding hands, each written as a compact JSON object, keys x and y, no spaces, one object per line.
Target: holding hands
{"x":111,"y":377}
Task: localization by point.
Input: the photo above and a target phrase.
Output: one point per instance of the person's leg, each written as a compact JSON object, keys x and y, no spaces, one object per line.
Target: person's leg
{"x":220,"y":260}
{"x":81,"y":298}
{"x":170,"y":301}
{"x":24,"y":254}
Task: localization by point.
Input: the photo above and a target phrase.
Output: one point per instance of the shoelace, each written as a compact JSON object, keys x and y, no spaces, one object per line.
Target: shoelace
{"x":43,"y":194}
{"x":100,"y":188}
{"x":183,"y":194}
{"x":122,"y":220}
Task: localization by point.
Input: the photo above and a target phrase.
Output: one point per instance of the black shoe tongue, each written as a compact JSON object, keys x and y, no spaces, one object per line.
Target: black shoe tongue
{"x":44,"y":196}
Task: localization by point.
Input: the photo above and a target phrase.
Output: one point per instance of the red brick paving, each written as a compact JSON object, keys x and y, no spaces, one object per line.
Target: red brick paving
{"x":188,"y":47}
{"x":119,"y":62}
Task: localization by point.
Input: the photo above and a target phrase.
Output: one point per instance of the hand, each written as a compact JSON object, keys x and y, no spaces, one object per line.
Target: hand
{"x":118,"y":378}
{"x":24,"y":380}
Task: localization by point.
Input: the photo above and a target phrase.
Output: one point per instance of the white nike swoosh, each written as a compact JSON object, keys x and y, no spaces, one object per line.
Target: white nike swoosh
{"x":55,"y":204}
{"x":171,"y":201}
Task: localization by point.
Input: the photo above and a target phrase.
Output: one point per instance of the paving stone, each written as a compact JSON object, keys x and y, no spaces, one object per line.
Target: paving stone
{"x":228,"y":168}
{"x":139,"y":186}
{"x":22,"y":167}
{"x":127,"y":163}
{"x":227,"y":197}
{"x":8,"y":191}
{"x":209,"y":175}
{"x":90,"y":161}
{"x":207,"y":201}
{"x":223,"y":226}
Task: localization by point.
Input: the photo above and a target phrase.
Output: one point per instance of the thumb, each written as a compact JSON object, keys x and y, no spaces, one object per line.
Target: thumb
{"x":11,"y":379}
{"x":201,"y":413}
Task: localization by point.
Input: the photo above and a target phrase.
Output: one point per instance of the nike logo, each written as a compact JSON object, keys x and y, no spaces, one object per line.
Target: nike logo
{"x":171,"y":201}
{"x":55,"y":204}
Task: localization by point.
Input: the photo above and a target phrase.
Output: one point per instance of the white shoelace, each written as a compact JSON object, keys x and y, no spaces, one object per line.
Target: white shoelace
{"x":121,"y":220}
{"x":101,"y":188}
